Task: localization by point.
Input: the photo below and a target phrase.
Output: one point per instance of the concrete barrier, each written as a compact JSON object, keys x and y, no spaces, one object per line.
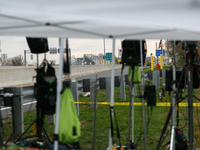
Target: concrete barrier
{"x":21,"y":75}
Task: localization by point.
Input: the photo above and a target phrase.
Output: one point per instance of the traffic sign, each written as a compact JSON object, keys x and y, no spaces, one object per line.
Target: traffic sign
{"x":102,"y":60}
{"x":158,"y":52}
{"x":53,"y":50}
{"x":108,"y":56}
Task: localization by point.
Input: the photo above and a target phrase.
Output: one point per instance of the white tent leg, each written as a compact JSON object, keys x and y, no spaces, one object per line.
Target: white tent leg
{"x":59,"y":88}
{"x":112,"y":90}
{"x":172,"y":144}
{"x":173,"y":100}
{"x":142,"y":90}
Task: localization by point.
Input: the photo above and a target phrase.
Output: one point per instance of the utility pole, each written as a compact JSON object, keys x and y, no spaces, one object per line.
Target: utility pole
{"x":0,"y":50}
{"x":161,"y":47}
{"x":156,"y":52}
{"x":25,"y":52}
{"x":104,"y":51}
{"x":0,"y":45}
{"x":104,"y":47}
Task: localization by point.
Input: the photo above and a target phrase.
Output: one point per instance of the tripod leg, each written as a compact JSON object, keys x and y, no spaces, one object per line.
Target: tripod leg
{"x":164,"y":128}
{"x":45,"y":133}
{"x":26,"y":130}
{"x":11,"y":136}
{"x":41,"y":122}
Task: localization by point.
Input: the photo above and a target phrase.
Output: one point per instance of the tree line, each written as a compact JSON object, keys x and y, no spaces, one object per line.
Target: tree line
{"x":179,"y":52}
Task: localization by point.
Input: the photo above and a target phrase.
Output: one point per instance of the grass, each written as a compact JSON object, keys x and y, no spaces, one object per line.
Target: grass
{"x":154,"y":68}
{"x":86,"y":117}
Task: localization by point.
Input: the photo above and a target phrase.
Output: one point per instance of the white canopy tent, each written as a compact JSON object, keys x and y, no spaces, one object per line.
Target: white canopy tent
{"x":137,"y":19}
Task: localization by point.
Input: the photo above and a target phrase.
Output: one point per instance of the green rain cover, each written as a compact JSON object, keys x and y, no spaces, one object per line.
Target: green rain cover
{"x":136,"y":76}
{"x":69,"y":125}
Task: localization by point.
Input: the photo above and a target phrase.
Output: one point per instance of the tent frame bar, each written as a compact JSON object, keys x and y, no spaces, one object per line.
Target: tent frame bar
{"x":143,"y":100}
{"x":59,"y":89}
{"x":112,"y":89}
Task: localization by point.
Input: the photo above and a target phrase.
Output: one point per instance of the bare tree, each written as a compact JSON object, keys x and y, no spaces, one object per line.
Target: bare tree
{"x":15,"y":61}
{"x":180,"y":54}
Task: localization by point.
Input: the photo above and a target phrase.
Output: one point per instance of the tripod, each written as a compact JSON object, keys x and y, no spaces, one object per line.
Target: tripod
{"x":43,"y":130}
{"x":40,"y":113}
{"x":190,"y":57}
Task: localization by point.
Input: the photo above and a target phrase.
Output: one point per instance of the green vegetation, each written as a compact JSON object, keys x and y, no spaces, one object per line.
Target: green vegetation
{"x":180,"y":54}
{"x":149,"y":68}
{"x":154,"y":129}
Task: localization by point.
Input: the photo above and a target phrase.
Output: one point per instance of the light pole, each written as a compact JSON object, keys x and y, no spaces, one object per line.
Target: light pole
{"x":104,"y":47}
{"x":25,"y":51}
{"x":3,"y":57}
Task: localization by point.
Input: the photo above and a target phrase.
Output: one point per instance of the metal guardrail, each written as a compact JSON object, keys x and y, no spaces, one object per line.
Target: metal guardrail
{"x":27,"y":92}
{"x":27,"y":101}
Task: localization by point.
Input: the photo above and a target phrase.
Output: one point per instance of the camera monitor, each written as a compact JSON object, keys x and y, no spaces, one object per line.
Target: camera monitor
{"x":38,"y":45}
{"x":131,"y":52}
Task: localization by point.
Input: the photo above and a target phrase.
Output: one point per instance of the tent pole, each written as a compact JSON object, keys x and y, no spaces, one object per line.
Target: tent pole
{"x":59,"y":88}
{"x":142,"y":90}
{"x":104,"y":50}
{"x":174,"y":99}
{"x":112,"y":90}
{"x":168,"y":52}
{"x":190,"y":69}
{"x":133,"y":95}
{"x":130,"y":98}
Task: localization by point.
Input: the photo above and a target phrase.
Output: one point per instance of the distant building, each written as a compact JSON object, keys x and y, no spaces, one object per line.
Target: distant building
{"x":74,"y":60}
{"x":80,"y":61}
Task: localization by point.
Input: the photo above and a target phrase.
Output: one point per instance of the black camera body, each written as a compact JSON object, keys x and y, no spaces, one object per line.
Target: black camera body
{"x":131,"y":52}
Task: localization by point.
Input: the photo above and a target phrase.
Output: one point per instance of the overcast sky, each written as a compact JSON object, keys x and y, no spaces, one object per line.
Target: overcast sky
{"x":14,"y":46}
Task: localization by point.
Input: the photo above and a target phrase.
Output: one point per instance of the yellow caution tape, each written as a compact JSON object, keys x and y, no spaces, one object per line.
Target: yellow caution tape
{"x":138,"y":104}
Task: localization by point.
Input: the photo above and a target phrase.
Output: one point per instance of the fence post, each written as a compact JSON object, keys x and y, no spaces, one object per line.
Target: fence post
{"x":161,"y":61}
{"x":18,"y":110}
{"x":92,"y":92}
{"x":152,"y":63}
{"x":17,"y":100}
{"x":74,"y":89}
{"x":122,"y":88}
{"x":108,"y":90}
{"x":156,"y":79}
{"x":163,"y":76}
